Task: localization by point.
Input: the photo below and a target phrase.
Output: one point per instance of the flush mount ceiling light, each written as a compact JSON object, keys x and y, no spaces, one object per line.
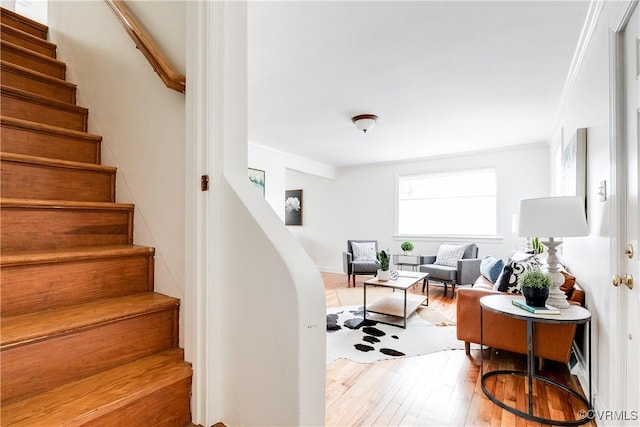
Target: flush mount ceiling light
{"x":364,"y":122}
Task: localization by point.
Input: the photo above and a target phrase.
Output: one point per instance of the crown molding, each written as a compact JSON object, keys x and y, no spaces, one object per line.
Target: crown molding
{"x":588,"y":29}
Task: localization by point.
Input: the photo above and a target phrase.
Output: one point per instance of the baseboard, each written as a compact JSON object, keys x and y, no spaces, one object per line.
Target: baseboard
{"x":326,"y":269}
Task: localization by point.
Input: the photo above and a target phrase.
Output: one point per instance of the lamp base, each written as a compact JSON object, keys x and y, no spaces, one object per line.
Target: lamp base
{"x":557,"y":298}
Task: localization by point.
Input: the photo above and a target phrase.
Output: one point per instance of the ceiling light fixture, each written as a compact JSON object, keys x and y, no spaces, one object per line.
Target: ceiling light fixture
{"x":365,"y":122}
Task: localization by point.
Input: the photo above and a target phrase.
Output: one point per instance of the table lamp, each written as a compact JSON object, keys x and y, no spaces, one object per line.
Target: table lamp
{"x":553,"y":217}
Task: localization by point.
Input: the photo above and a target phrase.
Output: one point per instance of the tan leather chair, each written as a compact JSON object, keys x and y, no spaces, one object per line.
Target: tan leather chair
{"x":552,"y":341}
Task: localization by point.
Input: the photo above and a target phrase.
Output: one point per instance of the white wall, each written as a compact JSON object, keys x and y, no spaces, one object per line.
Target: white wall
{"x":589,"y":258}
{"x":33,"y":9}
{"x":256,"y":301}
{"x":141,"y":121}
{"x":275,"y":164}
{"x":360,"y":202}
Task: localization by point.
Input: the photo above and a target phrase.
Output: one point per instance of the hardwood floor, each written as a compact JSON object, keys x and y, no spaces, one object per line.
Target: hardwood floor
{"x":439,"y":389}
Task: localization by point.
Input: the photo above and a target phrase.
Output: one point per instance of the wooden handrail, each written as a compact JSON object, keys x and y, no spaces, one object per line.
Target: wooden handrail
{"x":171,"y":78}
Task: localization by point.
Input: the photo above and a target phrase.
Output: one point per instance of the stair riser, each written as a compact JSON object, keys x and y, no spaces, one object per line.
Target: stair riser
{"x":23,"y":180}
{"x":26,"y":59}
{"x":27,"y":288}
{"x":41,"y":143}
{"x":23,"y":24}
{"x":35,"y":44}
{"x":28,"y":109}
{"x":25,"y":228}
{"x":167,"y":407}
{"x":15,"y":78}
{"x":106,"y":392}
{"x":32,"y":368}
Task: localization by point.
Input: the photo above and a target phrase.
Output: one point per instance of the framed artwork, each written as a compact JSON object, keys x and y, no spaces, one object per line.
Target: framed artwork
{"x":256,"y":176}
{"x":293,"y":207}
{"x":574,"y":166}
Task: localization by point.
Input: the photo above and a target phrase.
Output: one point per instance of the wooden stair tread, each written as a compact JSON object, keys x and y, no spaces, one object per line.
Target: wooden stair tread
{"x":33,"y":81}
{"x":42,"y":127}
{"x":16,"y":20}
{"x":31,"y":203}
{"x":45,"y":161}
{"x":10,"y":258}
{"x":84,"y":339}
{"x":7,"y":45}
{"x":26,"y":328}
{"x":87,"y":399}
{"x":38,"y":44}
{"x":37,"y":75}
{"x":39,"y":99}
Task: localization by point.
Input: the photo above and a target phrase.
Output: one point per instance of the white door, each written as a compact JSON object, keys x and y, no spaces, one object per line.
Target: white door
{"x":631,"y":262}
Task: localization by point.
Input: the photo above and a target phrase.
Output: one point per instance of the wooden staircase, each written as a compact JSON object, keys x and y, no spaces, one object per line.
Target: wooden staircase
{"x":84,"y":339}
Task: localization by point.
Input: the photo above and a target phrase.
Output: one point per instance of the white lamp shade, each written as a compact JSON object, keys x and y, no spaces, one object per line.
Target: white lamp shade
{"x":553,"y":217}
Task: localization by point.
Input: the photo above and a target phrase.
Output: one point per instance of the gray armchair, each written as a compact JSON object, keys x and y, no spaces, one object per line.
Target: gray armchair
{"x":466,"y":271}
{"x":353,"y":265}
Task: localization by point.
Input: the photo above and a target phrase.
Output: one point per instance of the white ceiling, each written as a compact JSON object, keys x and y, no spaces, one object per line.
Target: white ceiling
{"x":443,"y":76}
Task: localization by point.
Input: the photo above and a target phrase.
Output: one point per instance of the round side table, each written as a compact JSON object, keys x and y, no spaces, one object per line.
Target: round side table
{"x":502,"y":304}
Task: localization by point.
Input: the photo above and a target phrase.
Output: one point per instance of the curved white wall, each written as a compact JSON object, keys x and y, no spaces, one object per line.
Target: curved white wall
{"x":256,"y":301}
{"x":273,"y":359}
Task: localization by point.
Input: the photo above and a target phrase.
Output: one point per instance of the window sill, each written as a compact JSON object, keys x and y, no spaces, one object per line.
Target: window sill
{"x":447,"y":238}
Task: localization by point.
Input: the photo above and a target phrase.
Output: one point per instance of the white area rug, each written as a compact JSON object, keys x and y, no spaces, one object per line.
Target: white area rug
{"x":377,"y":341}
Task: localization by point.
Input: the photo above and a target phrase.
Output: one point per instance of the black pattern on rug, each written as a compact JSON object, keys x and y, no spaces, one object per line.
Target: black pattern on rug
{"x":371,"y":340}
{"x":372,"y":334}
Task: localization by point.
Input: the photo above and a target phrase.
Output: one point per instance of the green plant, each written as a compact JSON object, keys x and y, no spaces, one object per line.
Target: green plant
{"x":537,"y":246}
{"x":383,"y":259}
{"x":406,"y":246}
{"x":535,"y":279}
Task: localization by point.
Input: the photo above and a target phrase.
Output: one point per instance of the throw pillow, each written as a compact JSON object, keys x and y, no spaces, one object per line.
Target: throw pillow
{"x":363,"y":251}
{"x":448,"y":255}
{"x":491,"y":268}
{"x":508,"y":280}
{"x":502,"y":283}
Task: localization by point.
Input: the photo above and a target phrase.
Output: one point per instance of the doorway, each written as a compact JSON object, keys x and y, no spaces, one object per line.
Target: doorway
{"x":625,"y":251}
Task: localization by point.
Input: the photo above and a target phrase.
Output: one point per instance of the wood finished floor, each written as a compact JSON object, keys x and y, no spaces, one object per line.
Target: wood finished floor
{"x":439,"y":389}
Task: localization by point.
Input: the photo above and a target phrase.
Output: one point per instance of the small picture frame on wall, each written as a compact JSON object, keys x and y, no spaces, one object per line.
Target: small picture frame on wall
{"x":257,"y":178}
{"x":293,"y":207}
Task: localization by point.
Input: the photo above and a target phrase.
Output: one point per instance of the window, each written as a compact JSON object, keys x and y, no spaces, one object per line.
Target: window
{"x":457,"y":203}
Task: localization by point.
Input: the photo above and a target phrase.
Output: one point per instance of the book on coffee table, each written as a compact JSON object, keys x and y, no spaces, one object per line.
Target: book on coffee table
{"x":548,"y":309}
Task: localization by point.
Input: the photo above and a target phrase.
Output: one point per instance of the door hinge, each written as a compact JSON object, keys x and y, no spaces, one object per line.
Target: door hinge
{"x":204,"y":183}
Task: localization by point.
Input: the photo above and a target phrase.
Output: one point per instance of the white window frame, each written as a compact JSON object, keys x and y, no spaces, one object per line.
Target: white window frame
{"x":446,"y":237}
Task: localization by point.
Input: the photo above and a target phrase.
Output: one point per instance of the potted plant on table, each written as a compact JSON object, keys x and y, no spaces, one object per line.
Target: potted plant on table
{"x":407,"y":247}
{"x":383,"y":271}
{"x":535,"y":287}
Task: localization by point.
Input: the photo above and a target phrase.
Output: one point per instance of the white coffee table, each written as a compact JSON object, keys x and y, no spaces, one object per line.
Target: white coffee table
{"x":398,"y":305}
